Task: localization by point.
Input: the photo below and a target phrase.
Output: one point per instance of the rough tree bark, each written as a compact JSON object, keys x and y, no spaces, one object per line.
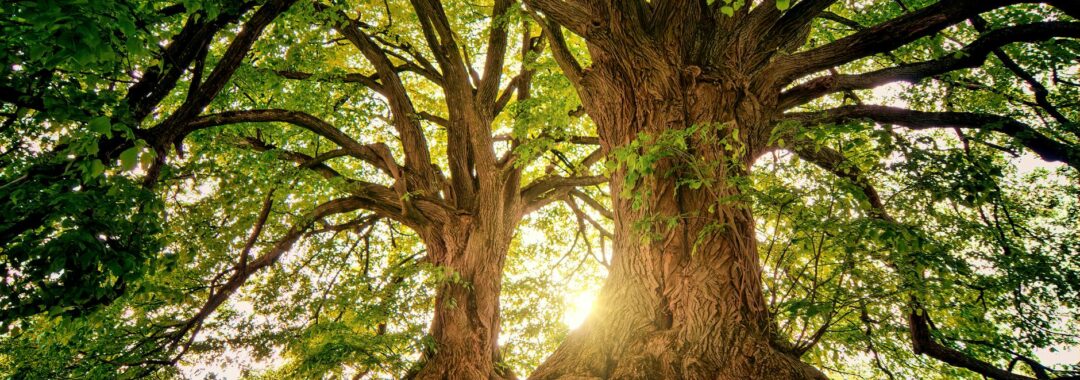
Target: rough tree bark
{"x":683,"y":298}
{"x":465,"y":325}
{"x":466,"y":218}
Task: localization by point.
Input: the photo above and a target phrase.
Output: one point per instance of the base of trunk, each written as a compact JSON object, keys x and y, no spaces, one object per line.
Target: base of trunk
{"x":463,"y":368}
{"x":665,"y":355}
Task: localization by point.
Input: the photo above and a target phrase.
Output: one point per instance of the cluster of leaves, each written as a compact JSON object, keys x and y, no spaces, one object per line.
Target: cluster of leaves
{"x":992,"y":249}
{"x":75,"y":234}
{"x":989,"y":251}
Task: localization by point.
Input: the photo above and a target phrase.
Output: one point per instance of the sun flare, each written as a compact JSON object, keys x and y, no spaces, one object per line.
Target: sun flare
{"x":578,"y":306}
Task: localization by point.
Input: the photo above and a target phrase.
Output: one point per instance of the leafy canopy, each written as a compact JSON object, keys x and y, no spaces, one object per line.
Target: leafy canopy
{"x":128,"y":208}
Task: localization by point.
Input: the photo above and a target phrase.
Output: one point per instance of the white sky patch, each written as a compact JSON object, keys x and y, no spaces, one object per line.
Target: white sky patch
{"x":1062,"y":355}
{"x":1028,"y":163}
{"x":889,"y":94}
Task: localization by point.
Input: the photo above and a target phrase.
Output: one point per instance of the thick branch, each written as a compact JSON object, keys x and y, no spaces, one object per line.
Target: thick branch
{"x":488,"y":89}
{"x":571,"y":14}
{"x":167,"y":132}
{"x":923,"y":343}
{"x":405,"y":121}
{"x":1046,"y":147}
{"x":970,"y":56}
{"x":794,"y":23}
{"x":886,"y":36}
{"x":561,"y":52}
{"x":549,"y":189}
{"x":470,"y":146}
{"x":377,"y":154}
{"x":176,"y":57}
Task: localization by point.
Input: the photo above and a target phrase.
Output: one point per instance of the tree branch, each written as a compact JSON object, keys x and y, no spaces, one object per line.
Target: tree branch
{"x":369,"y":81}
{"x":488,"y":89}
{"x":549,"y":189}
{"x":919,"y":328}
{"x":1040,"y":91}
{"x":1046,"y":147}
{"x":582,"y":215}
{"x":886,"y":36}
{"x":970,"y":56}
{"x":377,"y":154}
{"x":571,"y":14}
{"x":241,"y":274}
{"x":405,"y":121}
{"x":560,"y":51}
{"x":794,"y":23}
{"x":592,"y":202}
{"x":384,"y":201}
{"x":175,"y":58}
{"x":167,"y":132}
{"x":921,"y":341}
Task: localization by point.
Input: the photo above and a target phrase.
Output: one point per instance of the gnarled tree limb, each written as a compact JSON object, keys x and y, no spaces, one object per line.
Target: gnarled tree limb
{"x":970,"y":56}
{"x":1047,"y":148}
{"x":377,"y":154}
{"x":889,"y":35}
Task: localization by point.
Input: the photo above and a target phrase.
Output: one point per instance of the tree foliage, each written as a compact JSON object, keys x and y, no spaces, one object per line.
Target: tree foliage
{"x":278,"y":187}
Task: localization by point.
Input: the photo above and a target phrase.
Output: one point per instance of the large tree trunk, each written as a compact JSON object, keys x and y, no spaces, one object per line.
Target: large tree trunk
{"x":465,"y":325}
{"x":687,"y":305}
{"x":683,"y":299}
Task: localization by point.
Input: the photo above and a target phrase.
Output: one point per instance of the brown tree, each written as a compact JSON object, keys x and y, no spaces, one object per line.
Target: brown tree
{"x":466,"y":218}
{"x":726,"y":80}
{"x":688,"y":303}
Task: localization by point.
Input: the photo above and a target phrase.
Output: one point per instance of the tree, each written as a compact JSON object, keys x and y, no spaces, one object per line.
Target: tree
{"x":731,"y":257}
{"x":720,"y":84}
{"x":465,"y":218}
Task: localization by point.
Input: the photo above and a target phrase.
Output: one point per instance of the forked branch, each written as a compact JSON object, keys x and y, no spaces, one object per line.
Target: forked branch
{"x":552,"y":188}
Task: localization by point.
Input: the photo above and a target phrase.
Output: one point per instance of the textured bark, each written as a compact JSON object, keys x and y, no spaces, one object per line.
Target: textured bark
{"x":683,"y":299}
{"x":465,"y":326}
{"x":472,"y":244}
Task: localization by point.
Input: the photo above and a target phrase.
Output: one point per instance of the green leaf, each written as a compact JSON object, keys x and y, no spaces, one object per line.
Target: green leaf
{"x":147,"y":159}
{"x":727,"y":10}
{"x":101,"y":125}
{"x":783,"y":4}
{"x":128,"y":158}
{"x":96,"y":168}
